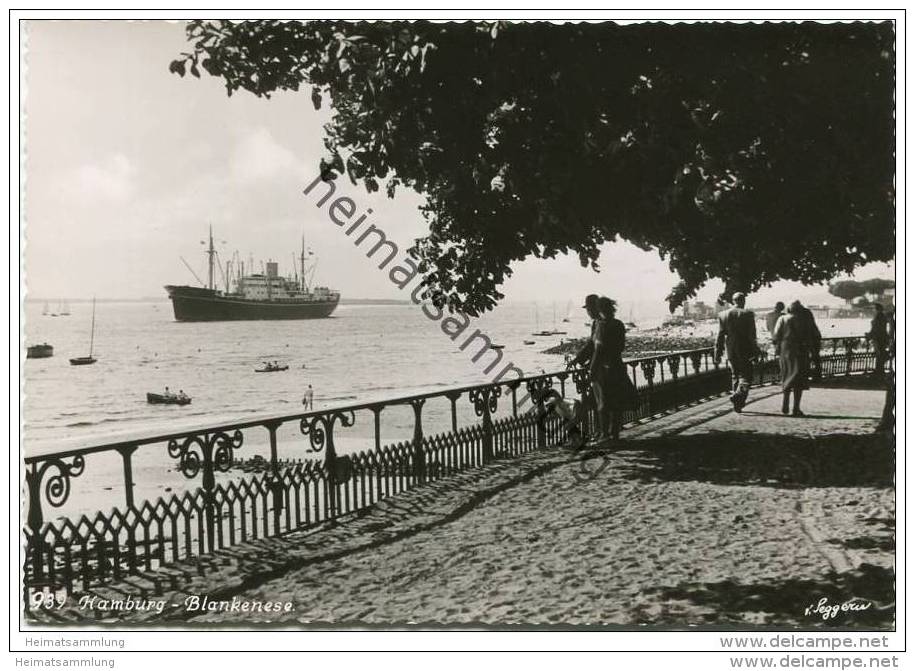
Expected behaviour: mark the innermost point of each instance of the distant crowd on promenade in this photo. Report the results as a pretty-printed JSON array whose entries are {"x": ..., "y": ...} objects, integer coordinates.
[{"x": 794, "y": 335}]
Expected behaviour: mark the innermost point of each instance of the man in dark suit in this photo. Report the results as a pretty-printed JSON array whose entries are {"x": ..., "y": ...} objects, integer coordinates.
[{"x": 737, "y": 336}]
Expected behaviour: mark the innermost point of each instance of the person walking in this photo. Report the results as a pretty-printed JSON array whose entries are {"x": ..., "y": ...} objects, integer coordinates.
[
  {"x": 795, "y": 337},
  {"x": 879, "y": 336},
  {"x": 619, "y": 391},
  {"x": 737, "y": 336},
  {"x": 309, "y": 399},
  {"x": 773, "y": 316},
  {"x": 814, "y": 342},
  {"x": 592, "y": 354}
]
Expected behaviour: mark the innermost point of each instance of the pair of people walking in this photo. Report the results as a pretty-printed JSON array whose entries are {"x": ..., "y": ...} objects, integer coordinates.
[
  {"x": 612, "y": 390},
  {"x": 797, "y": 346}
]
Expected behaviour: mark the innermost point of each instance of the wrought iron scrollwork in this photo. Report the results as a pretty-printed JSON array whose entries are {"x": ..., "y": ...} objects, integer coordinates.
[
  {"x": 224, "y": 447},
  {"x": 313, "y": 428},
  {"x": 319, "y": 428},
  {"x": 513, "y": 385},
  {"x": 193, "y": 452},
  {"x": 648, "y": 369},
  {"x": 582, "y": 380},
  {"x": 57, "y": 487},
  {"x": 485, "y": 398},
  {"x": 673, "y": 364}
]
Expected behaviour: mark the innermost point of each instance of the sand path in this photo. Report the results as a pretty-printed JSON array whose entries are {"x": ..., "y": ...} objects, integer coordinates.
[{"x": 738, "y": 520}]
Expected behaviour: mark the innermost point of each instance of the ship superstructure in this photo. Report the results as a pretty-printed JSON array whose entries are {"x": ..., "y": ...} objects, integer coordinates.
[{"x": 265, "y": 295}]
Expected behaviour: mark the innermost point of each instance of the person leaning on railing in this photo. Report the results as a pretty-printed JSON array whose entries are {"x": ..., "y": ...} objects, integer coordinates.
[
  {"x": 619, "y": 391},
  {"x": 592, "y": 354}
]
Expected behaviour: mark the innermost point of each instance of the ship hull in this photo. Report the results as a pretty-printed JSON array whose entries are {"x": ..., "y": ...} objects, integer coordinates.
[{"x": 192, "y": 304}]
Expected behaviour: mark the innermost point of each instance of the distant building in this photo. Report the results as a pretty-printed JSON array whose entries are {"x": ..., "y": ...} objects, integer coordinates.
[{"x": 699, "y": 310}]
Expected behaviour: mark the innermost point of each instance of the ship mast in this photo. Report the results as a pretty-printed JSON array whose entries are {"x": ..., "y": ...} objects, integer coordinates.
[
  {"x": 92, "y": 331},
  {"x": 211, "y": 253},
  {"x": 302, "y": 262}
]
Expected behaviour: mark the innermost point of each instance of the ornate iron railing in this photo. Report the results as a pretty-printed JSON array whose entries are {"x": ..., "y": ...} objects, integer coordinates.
[{"x": 137, "y": 537}]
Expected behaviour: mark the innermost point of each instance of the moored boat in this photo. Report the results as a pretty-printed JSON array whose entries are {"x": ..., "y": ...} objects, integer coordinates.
[
  {"x": 271, "y": 369},
  {"x": 42, "y": 351},
  {"x": 82, "y": 361},
  {"x": 87, "y": 360}
]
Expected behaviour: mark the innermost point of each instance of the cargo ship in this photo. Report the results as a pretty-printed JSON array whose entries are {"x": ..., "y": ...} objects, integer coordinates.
[{"x": 265, "y": 295}]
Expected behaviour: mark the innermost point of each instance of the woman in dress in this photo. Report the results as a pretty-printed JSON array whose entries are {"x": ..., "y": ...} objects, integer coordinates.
[
  {"x": 619, "y": 392},
  {"x": 795, "y": 337}
]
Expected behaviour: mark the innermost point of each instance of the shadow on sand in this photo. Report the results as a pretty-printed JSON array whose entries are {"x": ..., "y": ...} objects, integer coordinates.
[
  {"x": 786, "y": 603},
  {"x": 734, "y": 458}
]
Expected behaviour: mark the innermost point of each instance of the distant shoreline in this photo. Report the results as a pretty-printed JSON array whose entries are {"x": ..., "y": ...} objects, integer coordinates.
[{"x": 164, "y": 299}]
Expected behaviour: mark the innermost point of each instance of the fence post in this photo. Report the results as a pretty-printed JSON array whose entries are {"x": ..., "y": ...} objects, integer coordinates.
[
  {"x": 673, "y": 365},
  {"x": 276, "y": 483},
  {"x": 484, "y": 401},
  {"x": 209, "y": 484},
  {"x": 582, "y": 382},
  {"x": 536, "y": 389},
  {"x": 376, "y": 412},
  {"x": 330, "y": 469},
  {"x": 648, "y": 369},
  {"x": 513, "y": 387},
  {"x": 419, "y": 457},
  {"x": 320, "y": 432},
  {"x": 35, "y": 521},
  {"x": 849, "y": 353},
  {"x": 126, "y": 456},
  {"x": 453, "y": 397}
]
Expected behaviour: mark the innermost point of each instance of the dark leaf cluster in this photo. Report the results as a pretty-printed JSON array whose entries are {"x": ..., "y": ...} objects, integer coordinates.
[{"x": 746, "y": 152}]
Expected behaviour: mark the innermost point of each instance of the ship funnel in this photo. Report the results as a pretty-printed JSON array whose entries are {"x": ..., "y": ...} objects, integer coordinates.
[{"x": 272, "y": 269}]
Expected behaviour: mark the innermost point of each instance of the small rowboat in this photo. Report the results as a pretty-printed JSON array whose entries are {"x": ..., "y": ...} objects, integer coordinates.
[
  {"x": 162, "y": 399},
  {"x": 271, "y": 369}
]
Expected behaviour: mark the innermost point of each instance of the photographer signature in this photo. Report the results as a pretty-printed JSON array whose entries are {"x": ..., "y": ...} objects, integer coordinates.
[{"x": 827, "y": 611}]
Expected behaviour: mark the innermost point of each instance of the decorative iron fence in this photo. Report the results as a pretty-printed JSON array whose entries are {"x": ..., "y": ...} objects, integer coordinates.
[{"x": 140, "y": 536}]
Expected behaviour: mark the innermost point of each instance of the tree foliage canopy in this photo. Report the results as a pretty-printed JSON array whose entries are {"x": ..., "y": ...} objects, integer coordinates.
[
  {"x": 750, "y": 152},
  {"x": 850, "y": 289}
]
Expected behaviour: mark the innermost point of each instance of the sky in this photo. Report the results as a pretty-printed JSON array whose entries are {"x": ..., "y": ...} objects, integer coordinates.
[{"x": 127, "y": 165}]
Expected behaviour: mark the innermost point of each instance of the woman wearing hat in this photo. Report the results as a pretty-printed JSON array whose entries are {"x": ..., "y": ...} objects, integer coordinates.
[{"x": 619, "y": 392}]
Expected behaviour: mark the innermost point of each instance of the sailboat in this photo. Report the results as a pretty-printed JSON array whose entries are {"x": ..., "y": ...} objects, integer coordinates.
[
  {"x": 555, "y": 331},
  {"x": 568, "y": 317},
  {"x": 86, "y": 360},
  {"x": 64, "y": 309},
  {"x": 537, "y": 323},
  {"x": 631, "y": 323}
]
